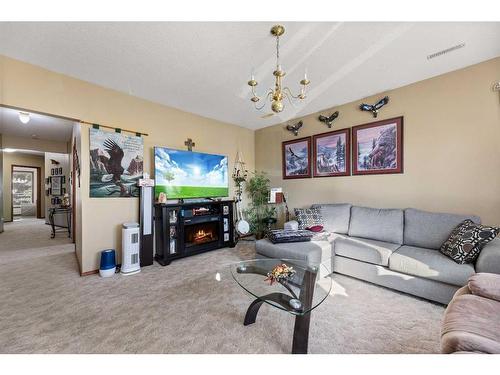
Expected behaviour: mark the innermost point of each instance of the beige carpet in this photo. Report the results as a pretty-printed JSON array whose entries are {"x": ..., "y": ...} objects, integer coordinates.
[{"x": 46, "y": 307}]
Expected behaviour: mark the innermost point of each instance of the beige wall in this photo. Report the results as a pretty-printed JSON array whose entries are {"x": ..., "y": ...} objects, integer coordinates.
[
  {"x": 76, "y": 139},
  {"x": 451, "y": 148},
  {"x": 1, "y": 185},
  {"x": 34, "y": 88},
  {"x": 25, "y": 160}
]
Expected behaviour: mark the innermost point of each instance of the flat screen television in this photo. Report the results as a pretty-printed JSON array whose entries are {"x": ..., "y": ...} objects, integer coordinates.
[{"x": 188, "y": 174}]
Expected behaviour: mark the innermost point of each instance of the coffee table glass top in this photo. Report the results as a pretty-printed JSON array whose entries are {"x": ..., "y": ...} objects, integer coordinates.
[{"x": 298, "y": 294}]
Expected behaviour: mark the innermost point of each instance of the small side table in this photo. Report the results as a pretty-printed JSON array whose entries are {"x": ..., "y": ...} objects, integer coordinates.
[{"x": 66, "y": 211}]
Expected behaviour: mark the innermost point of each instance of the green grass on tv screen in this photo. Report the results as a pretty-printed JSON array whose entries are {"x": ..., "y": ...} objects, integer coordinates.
[{"x": 176, "y": 192}]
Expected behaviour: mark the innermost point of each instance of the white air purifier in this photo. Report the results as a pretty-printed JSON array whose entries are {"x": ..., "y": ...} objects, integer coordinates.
[{"x": 130, "y": 249}]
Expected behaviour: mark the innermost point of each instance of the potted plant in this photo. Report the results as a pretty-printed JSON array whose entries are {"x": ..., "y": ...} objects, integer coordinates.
[{"x": 259, "y": 211}]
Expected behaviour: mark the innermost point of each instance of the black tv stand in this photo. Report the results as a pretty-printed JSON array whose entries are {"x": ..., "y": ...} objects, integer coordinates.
[{"x": 188, "y": 228}]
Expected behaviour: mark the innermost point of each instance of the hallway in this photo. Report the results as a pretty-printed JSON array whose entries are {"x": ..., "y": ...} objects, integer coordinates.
[{"x": 30, "y": 238}]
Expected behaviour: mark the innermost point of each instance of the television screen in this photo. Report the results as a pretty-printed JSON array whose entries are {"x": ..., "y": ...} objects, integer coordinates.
[{"x": 189, "y": 174}]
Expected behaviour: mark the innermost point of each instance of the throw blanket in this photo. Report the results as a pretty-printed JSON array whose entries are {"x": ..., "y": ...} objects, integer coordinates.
[
  {"x": 485, "y": 285},
  {"x": 283, "y": 235}
]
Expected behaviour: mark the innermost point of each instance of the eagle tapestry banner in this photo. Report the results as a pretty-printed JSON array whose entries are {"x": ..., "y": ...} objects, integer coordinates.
[{"x": 116, "y": 163}]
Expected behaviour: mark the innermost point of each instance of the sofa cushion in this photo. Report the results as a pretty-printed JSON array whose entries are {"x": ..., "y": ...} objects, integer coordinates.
[
  {"x": 308, "y": 217},
  {"x": 366, "y": 250},
  {"x": 335, "y": 216},
  {"x": 489, "y": 258},
  {"x": 429, "y": 264},
  {"x": 471, "y": 324},
  {"x": 429, "y": 229},
  {"x": 466, "y": 241},
  {"x": 313, "y": 251},
  {"x": 377, "y": 224}
]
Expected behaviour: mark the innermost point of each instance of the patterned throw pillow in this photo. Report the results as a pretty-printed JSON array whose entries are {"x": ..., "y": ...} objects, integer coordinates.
[
  {"x": 467, "y": 240},
  {"x": 308, "y": 217}
]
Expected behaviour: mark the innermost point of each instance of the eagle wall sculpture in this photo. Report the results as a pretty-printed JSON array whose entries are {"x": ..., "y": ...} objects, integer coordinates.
[
  {"x": 294, "y": 128},
  {"x": 329, "y": 120},
  {"x": 374, "y": 108}
]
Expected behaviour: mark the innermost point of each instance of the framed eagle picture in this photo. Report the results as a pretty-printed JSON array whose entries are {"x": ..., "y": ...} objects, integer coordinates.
[
  {"x": 332, "y": 154},
  {"x": 377, "y": 147},
  {"x": 116, "y": 164},
  {"x": 297, "y": 158}
]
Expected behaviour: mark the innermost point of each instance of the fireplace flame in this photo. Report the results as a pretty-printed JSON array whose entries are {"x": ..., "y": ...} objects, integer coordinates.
[{"x": 202, "y": 235}]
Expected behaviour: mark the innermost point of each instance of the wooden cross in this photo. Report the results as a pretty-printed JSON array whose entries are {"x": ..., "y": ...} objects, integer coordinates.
[{"x": 190, "y": 144}]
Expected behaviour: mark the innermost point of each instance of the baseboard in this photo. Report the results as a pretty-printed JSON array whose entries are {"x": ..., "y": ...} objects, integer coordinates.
[{"x": 89, "y": 273}]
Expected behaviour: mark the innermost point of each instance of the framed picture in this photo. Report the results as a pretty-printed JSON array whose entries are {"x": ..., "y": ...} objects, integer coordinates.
[
  {"x": 297, "y": 158},
  {"x": 377, "y": 147},
  {"x": 52, "y": 171},
  {"x": 332, "y": 154},
  {"x": 59, "y": 170},
  {"x": 56, "y": 185},
  {"x": 119, "y": 156}
]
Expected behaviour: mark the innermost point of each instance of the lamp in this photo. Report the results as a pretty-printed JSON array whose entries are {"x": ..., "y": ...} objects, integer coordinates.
[
  {"x": 277, "y": 94},
  {"x": 24, "y": 117}
]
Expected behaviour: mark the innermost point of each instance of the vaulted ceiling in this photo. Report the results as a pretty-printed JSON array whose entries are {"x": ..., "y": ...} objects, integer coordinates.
[{"x": 203, "y": 67}]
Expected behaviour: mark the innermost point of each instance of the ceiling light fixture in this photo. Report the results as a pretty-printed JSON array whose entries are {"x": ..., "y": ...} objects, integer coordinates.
[
  {"x": 9, "y": 150},
  {"x": 277, "y": 94},
  {"x": 24, "y": 117}
]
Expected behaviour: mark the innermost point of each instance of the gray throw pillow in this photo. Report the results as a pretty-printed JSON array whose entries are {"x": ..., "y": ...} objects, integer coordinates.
[
  {"x": 308, "y": 217},
  {"x": 467, "y": 240}
]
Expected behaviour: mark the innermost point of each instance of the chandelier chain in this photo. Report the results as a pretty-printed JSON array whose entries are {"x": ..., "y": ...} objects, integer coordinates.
[{"x": 277, "y": 51}]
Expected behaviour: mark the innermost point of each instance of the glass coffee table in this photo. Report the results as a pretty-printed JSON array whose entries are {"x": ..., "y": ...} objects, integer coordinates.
[{"x": 297, "y": 295}]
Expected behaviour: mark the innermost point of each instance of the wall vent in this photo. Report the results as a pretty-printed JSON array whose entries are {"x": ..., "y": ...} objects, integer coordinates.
[{"x": 447, "y": 50}]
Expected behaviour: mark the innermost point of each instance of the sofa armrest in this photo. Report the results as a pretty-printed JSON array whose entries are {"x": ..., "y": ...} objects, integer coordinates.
[
  {"x": 291, "y": 225},
  {"x": 489, "y": 258}
]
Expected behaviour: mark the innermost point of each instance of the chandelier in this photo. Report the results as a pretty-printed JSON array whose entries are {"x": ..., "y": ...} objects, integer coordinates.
[{"x": 277, "y": 95}]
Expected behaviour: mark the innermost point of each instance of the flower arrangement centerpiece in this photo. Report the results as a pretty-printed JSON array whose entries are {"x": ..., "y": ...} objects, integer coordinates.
[{"x": 280, "y": 273}]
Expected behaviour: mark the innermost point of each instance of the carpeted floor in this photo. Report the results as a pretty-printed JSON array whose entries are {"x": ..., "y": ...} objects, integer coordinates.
[{"x": 46, "y": 307}]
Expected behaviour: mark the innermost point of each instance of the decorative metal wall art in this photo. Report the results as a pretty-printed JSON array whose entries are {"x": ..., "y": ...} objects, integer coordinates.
[
  {"x": 329, "y": 120},
  {"x": 294, "y": 128},
  {"x": 375, "y": 107}
]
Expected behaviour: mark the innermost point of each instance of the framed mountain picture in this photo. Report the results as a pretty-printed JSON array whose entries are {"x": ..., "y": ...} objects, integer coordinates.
[
  {"x": 378, "y": 147},
  {"x": 332, "y": 154},
  {"x": 297, "y": 158}
]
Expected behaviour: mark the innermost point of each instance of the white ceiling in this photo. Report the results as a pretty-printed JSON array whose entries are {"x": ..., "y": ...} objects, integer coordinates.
[
  {"x": 39, "y": 126},
  {"x": 203, "y": 67}
]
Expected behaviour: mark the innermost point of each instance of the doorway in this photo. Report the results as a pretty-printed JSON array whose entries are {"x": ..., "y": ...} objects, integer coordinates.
[
  {"x": 25, "y": 192},
  {"x": 36, "y": 181}
]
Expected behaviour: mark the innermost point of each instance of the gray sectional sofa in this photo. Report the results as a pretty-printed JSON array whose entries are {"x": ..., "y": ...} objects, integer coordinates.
[{"x": 395, "y": 248}]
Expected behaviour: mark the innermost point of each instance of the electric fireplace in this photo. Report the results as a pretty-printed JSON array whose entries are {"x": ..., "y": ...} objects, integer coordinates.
[
  {"x": 202, "y": 233},
  {"x": 184, "y": 229}
]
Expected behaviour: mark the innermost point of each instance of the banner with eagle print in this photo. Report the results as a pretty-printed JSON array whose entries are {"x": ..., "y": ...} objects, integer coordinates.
[{"x": 116, "y": 163}]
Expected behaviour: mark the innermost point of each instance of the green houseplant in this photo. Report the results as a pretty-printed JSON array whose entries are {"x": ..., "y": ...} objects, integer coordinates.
[{"x": 258, "y": 188}]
